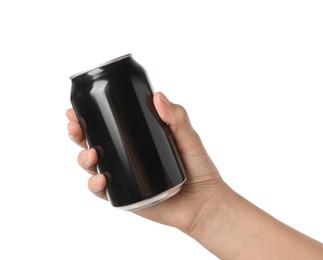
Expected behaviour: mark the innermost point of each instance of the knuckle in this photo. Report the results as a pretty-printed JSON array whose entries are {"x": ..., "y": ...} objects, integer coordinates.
[{"x": 182, "y": 114}]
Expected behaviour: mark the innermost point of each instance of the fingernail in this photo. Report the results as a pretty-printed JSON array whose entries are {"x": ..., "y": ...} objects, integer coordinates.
[{"x": 165, "y": 100}]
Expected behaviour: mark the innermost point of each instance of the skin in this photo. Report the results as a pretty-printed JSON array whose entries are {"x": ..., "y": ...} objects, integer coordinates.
[{"x": 206, "y": 208}]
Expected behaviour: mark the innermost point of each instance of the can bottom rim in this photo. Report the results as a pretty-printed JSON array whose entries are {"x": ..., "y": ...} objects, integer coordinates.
[{"x": 153, "y": 200}]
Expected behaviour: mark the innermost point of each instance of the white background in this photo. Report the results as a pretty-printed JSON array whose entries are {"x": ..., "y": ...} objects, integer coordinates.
[{"x": 248, "y": 72}]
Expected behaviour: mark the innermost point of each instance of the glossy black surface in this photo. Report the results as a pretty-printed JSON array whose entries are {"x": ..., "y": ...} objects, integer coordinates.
[{"x": 114, "y": 104}]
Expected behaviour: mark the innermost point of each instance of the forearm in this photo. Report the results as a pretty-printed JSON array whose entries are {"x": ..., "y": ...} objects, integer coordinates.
[{"x": 237, "y": 229}]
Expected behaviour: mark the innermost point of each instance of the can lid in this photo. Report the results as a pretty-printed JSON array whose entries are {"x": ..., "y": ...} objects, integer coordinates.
[{"x": 101, "y": 65}]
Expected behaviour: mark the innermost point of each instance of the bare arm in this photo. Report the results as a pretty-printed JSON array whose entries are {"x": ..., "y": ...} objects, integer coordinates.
[
  {"x": 206, "y": 208},
  {"x": 237, "y": 229}
]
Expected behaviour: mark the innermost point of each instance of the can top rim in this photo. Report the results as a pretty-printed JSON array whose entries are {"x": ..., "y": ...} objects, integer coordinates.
[{"x": 101, "y": 65}]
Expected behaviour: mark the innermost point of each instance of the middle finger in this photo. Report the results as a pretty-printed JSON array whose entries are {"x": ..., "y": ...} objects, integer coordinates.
[{"x": 87, "y": 159}]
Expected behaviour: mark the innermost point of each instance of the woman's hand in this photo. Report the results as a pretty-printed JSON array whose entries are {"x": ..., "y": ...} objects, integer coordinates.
[
  {"x": 185, "y": 209},
  {"x": 206, "y": 208}
]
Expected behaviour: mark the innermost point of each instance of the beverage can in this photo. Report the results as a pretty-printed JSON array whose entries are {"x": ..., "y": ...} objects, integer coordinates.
[{"x": 136, "y": 150}]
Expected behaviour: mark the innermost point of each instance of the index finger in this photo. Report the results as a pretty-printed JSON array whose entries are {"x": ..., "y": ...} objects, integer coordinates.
[{"x": 70, "y": 113}]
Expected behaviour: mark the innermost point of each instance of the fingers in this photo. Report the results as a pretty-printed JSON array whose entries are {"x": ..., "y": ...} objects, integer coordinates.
[
  {"x": 97, "y": 184},
  {"x": 87, "y": 159},
  {"x": 74, "y": 129},
  {"x": 75, "y": 133},
  {"x": 70, "y": 113}
]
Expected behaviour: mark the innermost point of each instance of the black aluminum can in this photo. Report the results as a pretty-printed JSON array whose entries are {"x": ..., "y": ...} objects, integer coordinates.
[{"x": 136, "y": 150}]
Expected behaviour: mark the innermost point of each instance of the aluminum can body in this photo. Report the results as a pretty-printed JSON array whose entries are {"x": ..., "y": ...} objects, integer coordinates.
[{"x": 136, "y": 150}]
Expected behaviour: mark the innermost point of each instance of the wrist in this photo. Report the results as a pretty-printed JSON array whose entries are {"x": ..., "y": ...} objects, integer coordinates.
[{"x": 216, "y": 220}]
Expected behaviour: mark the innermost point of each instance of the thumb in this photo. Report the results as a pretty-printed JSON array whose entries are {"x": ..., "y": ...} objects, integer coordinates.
[
  {"x": 196, "y": 161},
  {"x": 187, "y": 140}
]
